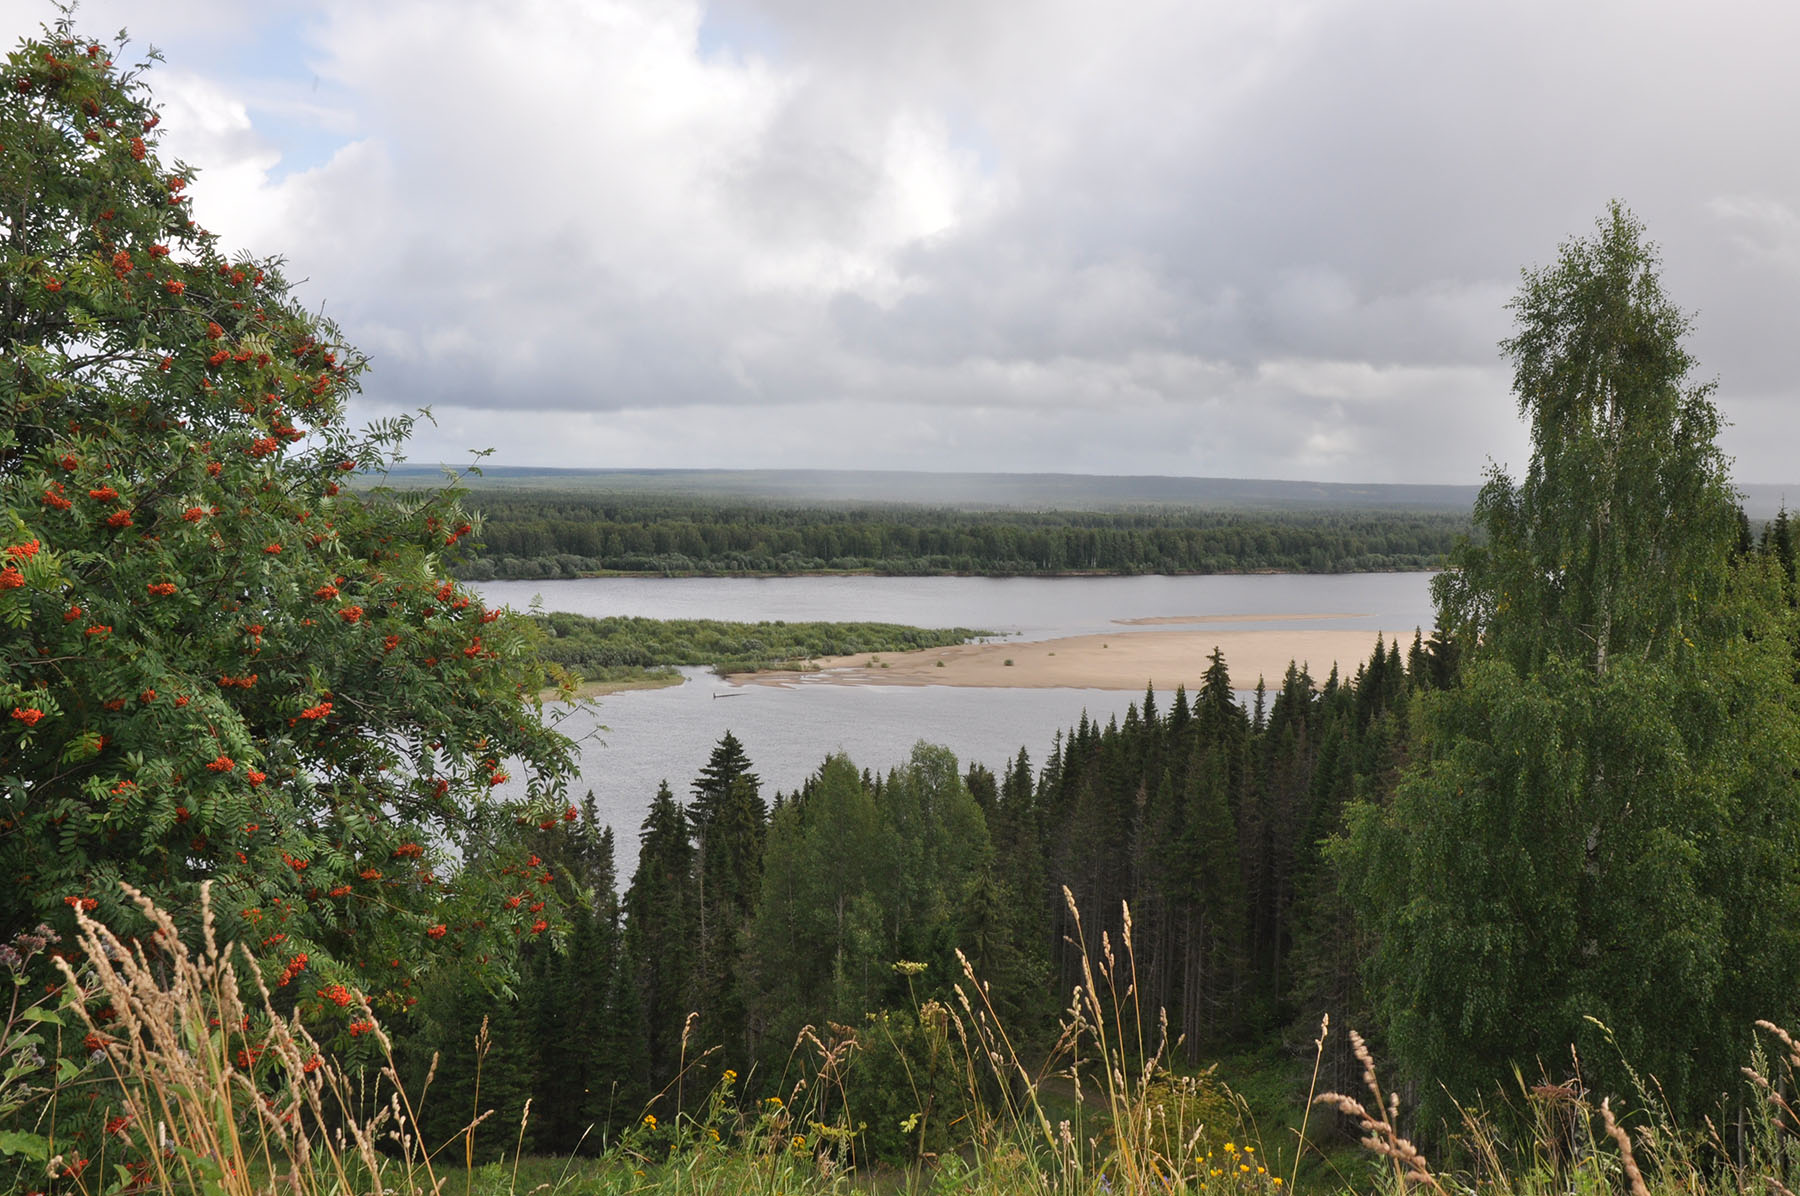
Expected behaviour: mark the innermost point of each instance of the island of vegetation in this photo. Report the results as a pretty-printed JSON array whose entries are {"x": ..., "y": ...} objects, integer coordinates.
[
  {"x": 628, "y": 652},
  {"x": 296, "y": 896}
]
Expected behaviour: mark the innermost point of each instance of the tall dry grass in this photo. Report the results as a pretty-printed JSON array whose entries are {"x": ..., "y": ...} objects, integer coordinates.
[
  {"x": 221, "y": 1095},
  {"x": 214, "y": 1092}
]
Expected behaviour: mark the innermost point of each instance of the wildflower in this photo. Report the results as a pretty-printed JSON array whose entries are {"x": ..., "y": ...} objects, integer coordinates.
[{"x": 650, "y": 1121}]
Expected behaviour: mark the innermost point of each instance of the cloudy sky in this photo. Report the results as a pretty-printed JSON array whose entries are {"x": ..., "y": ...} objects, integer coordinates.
[{"x": 1249, "y": 238}]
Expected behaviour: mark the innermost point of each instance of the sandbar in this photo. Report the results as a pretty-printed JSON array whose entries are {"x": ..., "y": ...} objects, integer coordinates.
[
  {"x": 1157, "y": 620},
  {"x": 1129, "y": 660}
]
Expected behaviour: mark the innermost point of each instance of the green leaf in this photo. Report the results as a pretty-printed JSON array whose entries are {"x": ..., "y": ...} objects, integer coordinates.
[{"x": 33, "y": 1146}]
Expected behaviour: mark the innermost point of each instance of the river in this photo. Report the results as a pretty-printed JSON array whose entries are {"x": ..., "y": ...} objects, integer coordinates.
[{"x": 631, "y": 741}]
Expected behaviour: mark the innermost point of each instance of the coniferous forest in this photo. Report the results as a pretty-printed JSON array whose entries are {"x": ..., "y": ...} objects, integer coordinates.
[{"x": 528, "y": 534}]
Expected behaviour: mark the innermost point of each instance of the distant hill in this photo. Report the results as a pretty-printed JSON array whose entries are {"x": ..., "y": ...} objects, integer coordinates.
[
  {"x": 1031, "y": 491},
  {"x": 974, "y": 491}
]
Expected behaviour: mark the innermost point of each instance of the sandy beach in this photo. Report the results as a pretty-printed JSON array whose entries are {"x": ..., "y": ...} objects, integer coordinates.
[{"x": 1128, "y": 660}]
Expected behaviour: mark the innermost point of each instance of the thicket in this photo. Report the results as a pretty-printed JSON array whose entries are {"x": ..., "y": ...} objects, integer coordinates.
[
  {"x": 621, "y": 647},
  {"x": 529, "y": 534}
]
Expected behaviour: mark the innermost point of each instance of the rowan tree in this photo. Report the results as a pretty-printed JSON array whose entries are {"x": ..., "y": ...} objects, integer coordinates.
[{"x": 226, "y": 656}]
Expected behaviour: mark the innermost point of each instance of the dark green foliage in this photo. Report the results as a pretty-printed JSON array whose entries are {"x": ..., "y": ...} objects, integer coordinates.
[
  {"x": 905, "y": 1085},
  {"x": 661, "y": 928},
  {"x": 622, "y": 647},
  {"x": 530, "y": 534},
  {"x": 729, "y": 822},
  {"x": 1601, "y": 814}
]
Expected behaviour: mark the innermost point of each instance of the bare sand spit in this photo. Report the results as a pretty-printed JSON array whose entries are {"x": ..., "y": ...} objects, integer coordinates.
[
  {"x": 1157, "y": 620},
  {"x": 1129, "y": 660}
]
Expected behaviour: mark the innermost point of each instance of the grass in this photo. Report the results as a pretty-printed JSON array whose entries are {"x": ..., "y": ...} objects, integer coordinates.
[{"x": 206, "y": 1090}]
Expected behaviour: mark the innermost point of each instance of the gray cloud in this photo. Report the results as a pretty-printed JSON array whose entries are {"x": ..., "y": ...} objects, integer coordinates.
[{"x": 1213, "y": 238}]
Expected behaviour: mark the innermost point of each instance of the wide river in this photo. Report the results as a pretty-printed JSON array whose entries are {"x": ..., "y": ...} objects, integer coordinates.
[{"x": 632, "y": 741}]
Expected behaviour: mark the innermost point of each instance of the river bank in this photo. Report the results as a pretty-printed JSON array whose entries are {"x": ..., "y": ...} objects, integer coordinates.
[{"x": 1129, "y": 660}]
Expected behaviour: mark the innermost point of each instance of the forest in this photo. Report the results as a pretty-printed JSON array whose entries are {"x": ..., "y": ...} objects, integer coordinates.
[{"x": 531, "y": 534}]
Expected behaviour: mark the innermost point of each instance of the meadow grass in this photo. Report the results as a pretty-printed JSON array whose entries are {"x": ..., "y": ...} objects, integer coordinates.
[{"x": 205, "y": 1089}]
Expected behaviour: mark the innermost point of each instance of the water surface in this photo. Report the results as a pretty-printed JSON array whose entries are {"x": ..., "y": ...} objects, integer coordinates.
[{"x": 631, "y": 741}]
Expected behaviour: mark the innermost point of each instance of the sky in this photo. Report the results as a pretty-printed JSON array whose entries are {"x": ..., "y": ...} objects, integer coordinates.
[{"x": 1254, "y": 238}]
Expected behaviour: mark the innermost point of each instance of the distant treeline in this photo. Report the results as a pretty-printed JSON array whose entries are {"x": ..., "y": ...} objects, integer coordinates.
[
  {"x": 530, "y": 534},
  {"x": 622, "y": 648}
]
